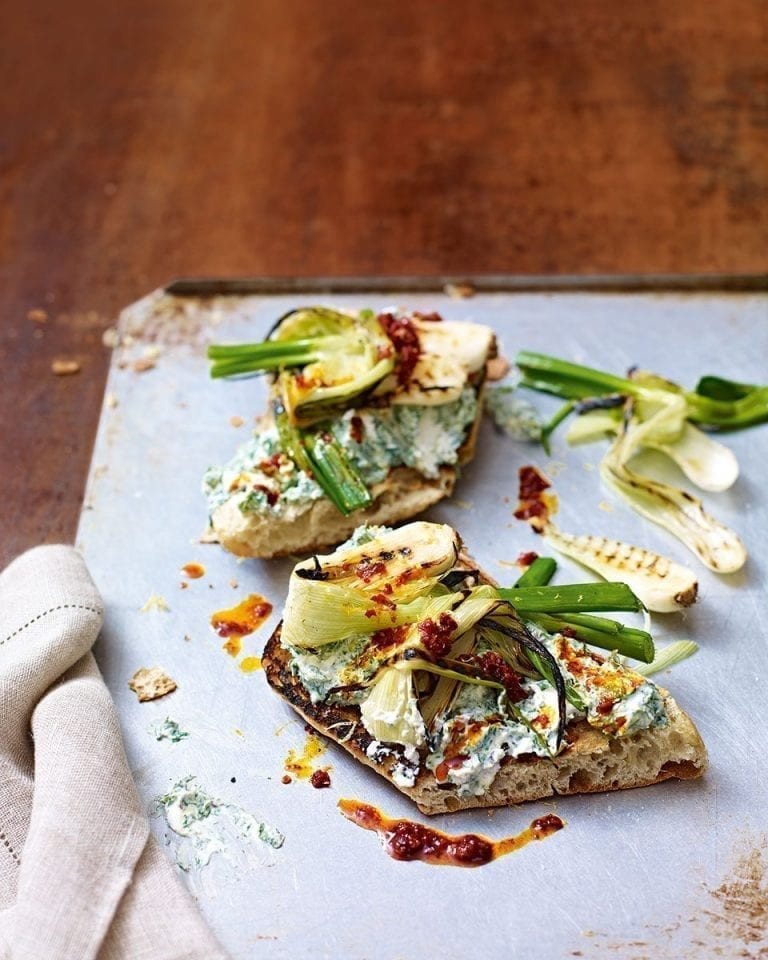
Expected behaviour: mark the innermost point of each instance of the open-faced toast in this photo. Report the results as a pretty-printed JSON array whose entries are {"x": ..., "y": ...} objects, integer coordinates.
[
  {"x": 323, "y": 461},
  {"x": 532, "y": 743}
]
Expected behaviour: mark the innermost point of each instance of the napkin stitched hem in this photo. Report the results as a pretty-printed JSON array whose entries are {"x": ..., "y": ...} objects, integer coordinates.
[{"x": 61, "y": 606}]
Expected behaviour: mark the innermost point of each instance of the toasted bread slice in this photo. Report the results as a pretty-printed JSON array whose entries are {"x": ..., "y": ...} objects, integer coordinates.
[{"x": 594, "y": 762}]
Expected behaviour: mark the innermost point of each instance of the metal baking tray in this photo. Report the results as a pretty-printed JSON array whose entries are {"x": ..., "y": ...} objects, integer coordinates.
[{"x": 670, "y": 871}]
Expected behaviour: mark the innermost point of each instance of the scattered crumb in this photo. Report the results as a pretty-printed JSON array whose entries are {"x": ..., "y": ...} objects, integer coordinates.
[
  {"x": 155, "y": 602},
  {"x": 234, "y": 584},
  {"x": 184, "y": 584},
  {"x": 554, "y": 467},
  {"x": 589, "y": 467},
  {"x": 65, "y": 368},
  {"x": 110, "y": 401},
  {"x": 150, "y": 683},
  {"x": 286, "y": 778},
  {"x": 236, "y": 421},
  {"x": 497, "y": 368},
  {"x": 461, "y": 504},
  {"x": 100, "y": 470},
  {"x": 110, "y": 338},
  {"x": 187, "y": 637},
  {"x": 605, "y": 506},
  {"x": 209, "y": 536},
  {"x": 238, "y": 732},
  {"x": 142, "y": 364},
  {"x": 459, "y": 291},
  {"x": 507, "y": 563},
  {"x": 37, "y": 315}
]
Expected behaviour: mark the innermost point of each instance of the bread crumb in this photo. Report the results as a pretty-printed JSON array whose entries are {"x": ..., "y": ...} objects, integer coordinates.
[
  {"x": 605, "y": 506},
  {"x": 151, "y": 683},
  {"x": 236, "y": 421},
  {"x": 155, "y": 602},
  {"x": 183, "y": 584},
  {"x": 459, "y": 291},
  {"x": 234, "y": 584},
  {"x": 37, "y": 315},
  {"x": 110, "y": 401},
  {"x": 142, "y": 364},
  {"x": 110, "y": 338},
  {"x": 497, "y": 368},
  {"x": 65, "y": 368}
]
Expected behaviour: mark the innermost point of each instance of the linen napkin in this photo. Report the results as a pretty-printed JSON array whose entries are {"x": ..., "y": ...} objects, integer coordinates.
[{"x": 80, "y": 875}]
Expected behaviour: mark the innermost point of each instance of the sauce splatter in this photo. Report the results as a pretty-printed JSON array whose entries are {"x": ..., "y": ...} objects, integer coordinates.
[
  {"x": 233, "y": 645},
  {"x": 406, "y": 840},
  {"x": 320, "y": 779},
  {"x": 250, "y": 664},
  {"x": 524, "y": 560},
  {"x": 536, "y": 505},
  {"x": 193, "y": 570},
  {"x": 237, "y": 622},
  {"x": 300, "y": 764}
]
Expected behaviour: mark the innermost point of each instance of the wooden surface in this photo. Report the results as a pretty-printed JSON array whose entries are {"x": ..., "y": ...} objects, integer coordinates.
[{"x": 148, "y": 140}]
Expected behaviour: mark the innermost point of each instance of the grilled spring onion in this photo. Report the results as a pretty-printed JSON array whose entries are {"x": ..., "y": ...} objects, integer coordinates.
[
  {"x": 324, "y": 359},
  {"x": 715, "y": 404},
  {"x": 555, "y": 609},
  {"x": 390, "y": 712},
  {"x": 670, "y": 655},
  {"x": 662, "y": 585},
  {"x": 321, "y": 456},
  {"x": 572, "y": 598},
  {"x": 538, "y": 574},
  {"x": 600, "y": 632},
  {"x": 331, "y": 468}
]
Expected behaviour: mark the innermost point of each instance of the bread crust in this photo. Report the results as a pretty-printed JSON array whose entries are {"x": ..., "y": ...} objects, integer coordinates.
[{"x": 593, "y": 762}]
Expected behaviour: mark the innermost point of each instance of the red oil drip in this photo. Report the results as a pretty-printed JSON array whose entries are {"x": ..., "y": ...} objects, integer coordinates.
[
  {"x": 407, "y": 840},
  {"x": 237, "y": 622}
]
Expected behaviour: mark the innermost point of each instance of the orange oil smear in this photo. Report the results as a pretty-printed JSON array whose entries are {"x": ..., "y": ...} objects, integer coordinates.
[
  {"x": 300, "y": 764},
  {"x": 406, "y": 840},
  {"x": 233, "y": 645},
  {"x": 237, "y": 622},
  {"x": 193, "y": 570},
  {"x": 250, "y": 664}
]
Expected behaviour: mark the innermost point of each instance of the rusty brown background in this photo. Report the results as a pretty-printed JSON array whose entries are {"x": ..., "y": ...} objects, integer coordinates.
[{"x": 157, "y": 138}]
